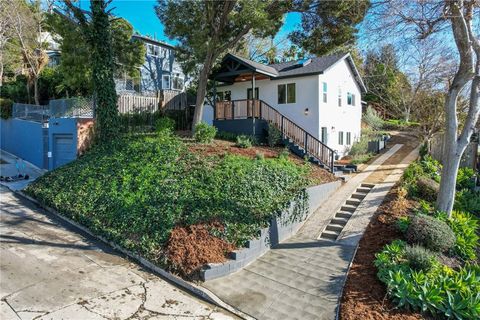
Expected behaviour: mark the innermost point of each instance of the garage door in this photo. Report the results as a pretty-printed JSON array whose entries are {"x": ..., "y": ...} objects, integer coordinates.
[{"x": 64, "y": 149}]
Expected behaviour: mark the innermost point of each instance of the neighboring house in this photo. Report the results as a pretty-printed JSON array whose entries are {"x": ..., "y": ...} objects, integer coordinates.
[
  {"x": 159, "y": 72},
  {"x": 317, "y": 98},
  {"x": 52, "y": 49}
]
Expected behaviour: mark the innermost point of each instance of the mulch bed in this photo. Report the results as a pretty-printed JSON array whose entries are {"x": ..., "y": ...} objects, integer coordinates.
[{"x": 364, "y": 296}]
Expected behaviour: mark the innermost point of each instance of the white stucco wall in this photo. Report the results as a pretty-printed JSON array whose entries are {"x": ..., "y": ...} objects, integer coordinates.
[
  {"x": 306, "y": 97},
  {"x": 346, "y": 118}
]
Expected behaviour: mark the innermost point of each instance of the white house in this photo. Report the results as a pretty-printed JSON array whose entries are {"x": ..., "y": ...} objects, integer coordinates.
[{"x": 321, "y": 96}]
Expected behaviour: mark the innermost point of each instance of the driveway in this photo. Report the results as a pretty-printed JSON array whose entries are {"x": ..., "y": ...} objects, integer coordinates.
[{"x": 50, "y": 271}]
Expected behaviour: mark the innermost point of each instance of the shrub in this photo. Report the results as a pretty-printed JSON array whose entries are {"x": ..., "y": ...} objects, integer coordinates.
[
  {"x": 403, "y": 223},
  {"x": 423, "y": 150},
  {"x": 419, "y": 258},
  {"x": 431, "y": 167},
  {"x": 228, "y": 136},
  {"x": 430, "y": 232},
  {"x": 6, "y": 106},
  {"x": 243, "y": 141},
  {"x": 410, "y": 176},
  {"x": 428, "y": 188},
  {"x": 361, "y": 158},
  {"x": 359, "y": 147},
  {"x": 468, "y": 201},
  {"x": 274, "y": 136},
  {"x": 284, "y": 154},
  {"x": 259, "y": 156},
  {"x": 204, "y": 133},
  {"x": 372, "y": 118},
  {"x": 165, "y": 124},
  {"x": 465, "y": 228},
  {"x": 465, "y": 179},
  {"x": 441, "y": 291}
]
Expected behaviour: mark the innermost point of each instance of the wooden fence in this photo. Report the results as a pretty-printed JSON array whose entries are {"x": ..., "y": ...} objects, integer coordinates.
[{"x": 165, "y": 100}]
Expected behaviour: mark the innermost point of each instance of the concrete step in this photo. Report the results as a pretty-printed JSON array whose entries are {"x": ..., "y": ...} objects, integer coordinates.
[
  {"x": 338, "y": 173},
  {"x": 334, "y": 227},
  {"x": 362, "y": 190},
  {"x": 367, "y": 185},
  {"x": 348, "y": 208},
  {"x": 339, "y": 221},
  {"x": 353, "y": 202},
  {"x": 359, "y": 196},
  {"x": 332, "y": 235},
  {"x": 342, "y": 214}
]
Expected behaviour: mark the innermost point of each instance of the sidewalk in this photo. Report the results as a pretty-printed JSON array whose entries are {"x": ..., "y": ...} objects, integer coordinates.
[
  {"x": 303, "y": 277},
  {"x": 8, "y": 168}
]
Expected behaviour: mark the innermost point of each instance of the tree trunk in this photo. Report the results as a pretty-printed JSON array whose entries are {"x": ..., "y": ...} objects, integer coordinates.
[
  {"x": 35, "y": 91},
  {"x": 29, "y": 98},
  {"x": 202, "y": 89}
]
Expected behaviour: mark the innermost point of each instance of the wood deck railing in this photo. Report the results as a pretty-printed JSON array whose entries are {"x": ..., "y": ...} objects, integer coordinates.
[{"x": 243, "y": 109}]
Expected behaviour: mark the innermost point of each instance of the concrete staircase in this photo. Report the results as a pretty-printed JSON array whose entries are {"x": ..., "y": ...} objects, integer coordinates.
[{"x": 336, "y": 225}]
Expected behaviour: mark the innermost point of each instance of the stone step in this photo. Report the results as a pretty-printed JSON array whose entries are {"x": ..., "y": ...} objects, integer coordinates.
[
  {"x": 341, "y": 214},
  {"x": 348, "y": 208},
  {"x": 359, "y": 196},
  {"x": 332, "y": 235},
  {"x": 339, "y": 221},
  {"x": 353, "y": 202},
  {"x": 334, "y": 227},
  {"x": 367, "y": 185},
  {"x": 362, "y": 190}
]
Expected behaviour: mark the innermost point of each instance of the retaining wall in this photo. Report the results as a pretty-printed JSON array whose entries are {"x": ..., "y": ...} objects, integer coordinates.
[{"x": 280, "y": 229}]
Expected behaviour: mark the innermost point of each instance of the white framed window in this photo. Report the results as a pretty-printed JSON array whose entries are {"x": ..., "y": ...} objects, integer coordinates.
[
  {"x": 339, "y": 97},
  {"x": 177, "y": 82},
  {"x": 325, "y": 92},
  {"x": 286, "y": 93},
  {"x": 349, "y": 138},
  {"x": 350, "y": 99},
  {"x": 340, "y": 138},
  {"x": 166, "y": 81}
]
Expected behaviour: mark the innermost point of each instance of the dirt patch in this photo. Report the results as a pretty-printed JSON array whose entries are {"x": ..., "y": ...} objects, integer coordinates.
[
  {"x": 222, "y": 148},
  {"x": 189, "y": 248}
]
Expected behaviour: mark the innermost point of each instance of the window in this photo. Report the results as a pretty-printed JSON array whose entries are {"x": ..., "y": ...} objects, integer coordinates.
[
  {"x": 324, "y": 136},
  {"x": 350, "y": 99},
  {"x": 340, "y": 138},
  {"x": 325, "y": 92},
  {"x": 286, "y": 93},
  {"x": 339, "y": 97},
  {"x": 166, "y": 81},
  {"x": 349, "y": 138},
  {"x": 177, "y": 82},
  {"x": 249, "y": 93}
]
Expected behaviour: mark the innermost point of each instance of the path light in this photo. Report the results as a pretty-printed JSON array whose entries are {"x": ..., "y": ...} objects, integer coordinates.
[{"x": 306, "y": 111}]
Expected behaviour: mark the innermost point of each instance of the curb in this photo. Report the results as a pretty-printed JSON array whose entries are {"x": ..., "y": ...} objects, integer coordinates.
[{"x": 198, "y": 291}]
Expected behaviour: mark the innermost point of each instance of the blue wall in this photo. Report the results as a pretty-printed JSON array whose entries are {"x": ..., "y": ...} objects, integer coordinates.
[
  {"x": 250, "y": 126},
  {"x": 61, "y": 126},
  {"x": 24, "y": 139}
]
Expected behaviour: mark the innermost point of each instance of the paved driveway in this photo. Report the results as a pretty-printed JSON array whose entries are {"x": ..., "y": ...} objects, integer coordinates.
[{"x": 49, "y": 271}]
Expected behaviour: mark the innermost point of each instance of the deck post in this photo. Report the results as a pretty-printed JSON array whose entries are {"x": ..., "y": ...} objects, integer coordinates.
[
  {"x": 233, "y": 110},
  {"x": 214, "y": 99},
  {"x": 305, "y": 142},
  {"x": 252, "y": 103}
]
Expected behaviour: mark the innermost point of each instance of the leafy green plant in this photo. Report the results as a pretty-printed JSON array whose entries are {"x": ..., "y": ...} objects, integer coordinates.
[
  {"x": 259, "y": 156},
  {"x": 165, "y": 124},
  {"x": 468, "y": 201},
  {"x": 465, "y": 179},
  {"x": 359, "y": 147},
  {"x": 419, "y": 258},
  {"x": 284, "y": 154},
  {"x": 243, "y": 141},
  {"x": 6, "y": 108},
  {"x": 204, "y": 133},
  {"x": 403, "y": 223},
  {"x": 431, "y": 167},
  {"x": 274, "y": 136},
  {"x": 224, "y": 135},
  {"x": 372, "y": 118},
  {"x": 430, "y": 232}
]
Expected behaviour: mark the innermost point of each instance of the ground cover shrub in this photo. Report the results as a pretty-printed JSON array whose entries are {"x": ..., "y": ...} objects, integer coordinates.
[
  {"x": 165, "y": 124},
  {"x": 468, "y": 201},
  {"x": 465, "y": 179},
  {"x": 372, "y": 118},
  {"x": 430, "y": 232},
  {"x": 228, "y": 136},
  {"x": 419, "y": 258},
  {"x": 363, "y": 158},
  {"x": 427, "y": 188},
  {"x": 243, "y": 141},
  {"x": 6, "y": 106},
  {"x": 134, "y": 191},
  {"x": 274, "y": 136},
  {"x": 440, "y": 290},
  {"x": 426, "y": 167},
  {"x": 204, "y": 133}
]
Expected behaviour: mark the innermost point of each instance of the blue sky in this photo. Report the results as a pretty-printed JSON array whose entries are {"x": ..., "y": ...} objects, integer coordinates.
[{"x": 141, "y": 15}]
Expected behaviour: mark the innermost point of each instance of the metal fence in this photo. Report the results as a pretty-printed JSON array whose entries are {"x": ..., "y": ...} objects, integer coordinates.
[
  {"x": 31, "y": 112},
  {"x": 61, "y": 108}
]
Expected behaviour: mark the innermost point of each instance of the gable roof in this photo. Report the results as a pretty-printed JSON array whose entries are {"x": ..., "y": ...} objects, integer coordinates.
[{"x": 316, "y": 65}]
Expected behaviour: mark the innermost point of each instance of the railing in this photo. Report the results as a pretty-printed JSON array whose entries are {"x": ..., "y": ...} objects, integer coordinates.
[{"x": 243, "y": 109}]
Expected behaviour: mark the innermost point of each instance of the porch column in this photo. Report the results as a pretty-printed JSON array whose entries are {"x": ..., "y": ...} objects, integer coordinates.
[
  {"x": 214, "y": 99},
  {"x": 252, "y": 103}
]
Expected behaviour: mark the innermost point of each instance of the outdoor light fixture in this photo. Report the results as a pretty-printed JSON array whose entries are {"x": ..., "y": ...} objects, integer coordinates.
[
  {"x": 333, "y": 129},
  {"x": 306, "y": 111},
  {"x": 243, "y": 79}
]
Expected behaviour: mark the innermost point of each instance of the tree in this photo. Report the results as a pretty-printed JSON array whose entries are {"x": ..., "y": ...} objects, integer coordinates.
[
  {"x": 448, "y": 19},
  {"x": 206, "y": 30},
  {"x": 99, "y": 36},
  {"x": 76, "y": 63}
]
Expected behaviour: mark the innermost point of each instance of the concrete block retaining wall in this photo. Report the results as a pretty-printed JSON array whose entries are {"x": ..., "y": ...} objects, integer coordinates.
[{"x": 280, "y": 229}]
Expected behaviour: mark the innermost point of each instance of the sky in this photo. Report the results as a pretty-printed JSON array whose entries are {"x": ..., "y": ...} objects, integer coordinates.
[{"x": 141, "y": 14}]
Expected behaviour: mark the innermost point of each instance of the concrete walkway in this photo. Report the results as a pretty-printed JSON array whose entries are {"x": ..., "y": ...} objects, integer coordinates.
[
  {"x": 49, "y": 271},
  {"x": 303, "y": 277},
  {"x": 8, "y": 168}
]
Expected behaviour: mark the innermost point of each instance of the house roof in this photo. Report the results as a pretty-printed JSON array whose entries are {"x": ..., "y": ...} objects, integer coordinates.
[
  {"x": 315, "y": 65},
  {"x": 152, "y": 41}
]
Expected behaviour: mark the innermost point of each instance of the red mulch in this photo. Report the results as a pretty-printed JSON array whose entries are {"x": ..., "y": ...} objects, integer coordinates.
[
  {"x": 221, "y": 148},
  {"x": 189, "y": 248},
  {"x": 364, "y": 296}
]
